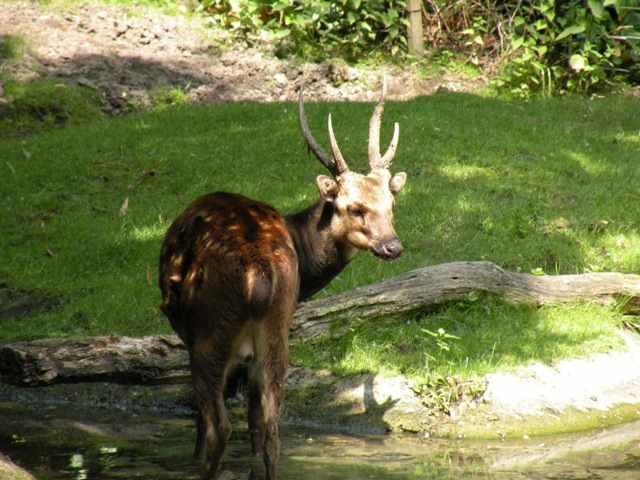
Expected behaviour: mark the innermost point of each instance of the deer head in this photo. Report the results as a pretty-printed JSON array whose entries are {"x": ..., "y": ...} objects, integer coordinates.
[{"x": 363, "y": 204}]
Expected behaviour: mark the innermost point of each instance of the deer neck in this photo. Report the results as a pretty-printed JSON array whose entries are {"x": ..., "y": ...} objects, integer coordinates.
[{"x": 320, "y": 256}]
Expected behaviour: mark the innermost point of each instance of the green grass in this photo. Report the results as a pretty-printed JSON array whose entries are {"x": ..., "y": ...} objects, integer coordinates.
[
  {"x": 467, "y": 339},
  {"x": 12, "y": 47},
  {"x": 45, "y": 103},
  {"x": 548, "y": 185}
]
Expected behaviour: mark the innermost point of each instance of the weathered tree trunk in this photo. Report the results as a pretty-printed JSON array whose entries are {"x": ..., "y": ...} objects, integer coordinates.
[
  {"x": 152, "y": 359},
  {"x": 427, "y": 287},
  {"x": 163, "y": 358},
  {"x": 415, "y": 30}
]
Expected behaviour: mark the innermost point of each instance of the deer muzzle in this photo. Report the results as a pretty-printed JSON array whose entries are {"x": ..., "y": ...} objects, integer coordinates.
[{"x": 388, "y": 249}]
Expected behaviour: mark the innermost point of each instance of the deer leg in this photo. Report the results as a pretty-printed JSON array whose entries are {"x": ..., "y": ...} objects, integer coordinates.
[
  {"x": 199, "y": 452},
  {"x": 272, "y": 398},
  {"x": 266, "y": 388},
  {"x": 255, "y": 414},
  {"x": 217, "y": 430},
  {"x": 213, "y": 425}
]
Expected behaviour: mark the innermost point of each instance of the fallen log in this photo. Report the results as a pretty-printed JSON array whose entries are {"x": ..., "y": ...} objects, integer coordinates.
[
  {"x": 151, "y": 359},
  {"x": 427, "y": 287},
  {"x": 163, "y": 358}
]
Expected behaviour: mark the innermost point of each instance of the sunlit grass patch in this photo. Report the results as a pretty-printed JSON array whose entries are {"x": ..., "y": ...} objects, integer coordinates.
[
  {"x": 467, "y": 339},
  {"x": 446, "y": 354},
  {"x": 166, "y": 97},
  {"x": 631, "y": 138},
  {"x": 613, "y": 244},
  {"x": 465, "y": 172},
  {"x": 149, "y": 233}
]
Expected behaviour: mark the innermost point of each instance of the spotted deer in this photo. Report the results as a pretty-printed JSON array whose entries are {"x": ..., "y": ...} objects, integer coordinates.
[{"x": 232, "y": 271}]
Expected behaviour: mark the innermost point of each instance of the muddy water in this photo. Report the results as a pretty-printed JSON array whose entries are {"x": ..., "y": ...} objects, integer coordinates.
[{"x": 74, "y": 443}]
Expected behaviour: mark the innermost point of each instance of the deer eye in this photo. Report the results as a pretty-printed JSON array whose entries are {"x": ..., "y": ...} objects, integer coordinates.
[{"x": 356, "y": 211}]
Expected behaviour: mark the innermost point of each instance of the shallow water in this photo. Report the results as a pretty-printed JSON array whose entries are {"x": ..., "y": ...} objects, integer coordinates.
[{"x": 74, "y": 443}]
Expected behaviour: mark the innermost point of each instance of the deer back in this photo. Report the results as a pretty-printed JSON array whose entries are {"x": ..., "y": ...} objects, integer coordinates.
[{"x": 225, "y": 254}]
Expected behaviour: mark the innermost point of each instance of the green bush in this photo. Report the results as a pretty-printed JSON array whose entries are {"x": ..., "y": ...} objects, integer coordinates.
[
  {"x": 318, "y": 28},
  {"x": 572, "y": 46},
  {"x": 542, "y": 46},
  {"x": 538, "y": 46}
]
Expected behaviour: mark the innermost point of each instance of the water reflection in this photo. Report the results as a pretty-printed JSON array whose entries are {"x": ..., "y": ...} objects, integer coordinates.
[{"x": 62, "y": 444}]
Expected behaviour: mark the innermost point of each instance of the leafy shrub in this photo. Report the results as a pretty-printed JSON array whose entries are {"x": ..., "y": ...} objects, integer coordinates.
[
  {"x": 543, "y": 46},
  {"x": 559, "y": 46},
  {"x": 318, "y": 28}
]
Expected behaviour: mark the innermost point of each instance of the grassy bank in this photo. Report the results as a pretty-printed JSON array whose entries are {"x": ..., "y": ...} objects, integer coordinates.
[{"x": 548, "y": 186}]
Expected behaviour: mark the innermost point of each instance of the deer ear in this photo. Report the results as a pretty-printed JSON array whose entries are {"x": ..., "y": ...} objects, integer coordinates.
[
  {"x": 397, "y": 182},
  {"x": 328, "y": 187}
]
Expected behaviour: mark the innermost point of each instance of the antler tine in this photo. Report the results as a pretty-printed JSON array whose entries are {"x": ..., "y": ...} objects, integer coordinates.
[
  {"x": 317, "y": 150},
  {"x": 387, "y": 158},
  {"x": 374, "y": 128},
  {"x": 375, "y": 160},
  {"x": 341, "y": 164}
]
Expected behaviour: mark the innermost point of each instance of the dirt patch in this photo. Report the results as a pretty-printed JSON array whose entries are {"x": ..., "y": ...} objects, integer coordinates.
[{"x": 127, "y": 54}]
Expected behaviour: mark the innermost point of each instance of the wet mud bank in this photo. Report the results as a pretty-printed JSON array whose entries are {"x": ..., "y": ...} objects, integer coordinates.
[
  {"x": 337, "y": 428},
  {"x": 58, "y": 442}
]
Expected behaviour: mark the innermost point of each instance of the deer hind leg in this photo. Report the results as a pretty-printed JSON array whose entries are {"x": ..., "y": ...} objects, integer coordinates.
[
  {"x": 266, "y": 390},
  {"x": 265, "y": 398},
  {"x": 256, "y": 414},
  {"x": 271, "y": 407},
  {"x": 213, "y": 425}
]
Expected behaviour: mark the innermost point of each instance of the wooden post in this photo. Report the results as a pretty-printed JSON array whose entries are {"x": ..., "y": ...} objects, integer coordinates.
[{"x": 416, "y": 41}]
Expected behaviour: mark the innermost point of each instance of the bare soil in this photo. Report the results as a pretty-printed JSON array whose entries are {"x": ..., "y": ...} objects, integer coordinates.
[
  {"x": 598, "y": 382},
  {"x": 128, "y": 53}
]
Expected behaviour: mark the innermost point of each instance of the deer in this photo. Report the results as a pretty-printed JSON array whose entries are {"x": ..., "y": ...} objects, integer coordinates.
[{"x": 232, "y": 271}]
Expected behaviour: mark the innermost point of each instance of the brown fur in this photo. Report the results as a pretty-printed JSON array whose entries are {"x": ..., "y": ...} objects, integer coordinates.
[{"x": 228, "y": 275}]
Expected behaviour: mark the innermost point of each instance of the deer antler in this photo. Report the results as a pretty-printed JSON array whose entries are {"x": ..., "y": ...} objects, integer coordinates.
[
  {"x": 341, "y": 164},
  {"x": 336, "y": 164},
  {"x": 375, "y": 160}
]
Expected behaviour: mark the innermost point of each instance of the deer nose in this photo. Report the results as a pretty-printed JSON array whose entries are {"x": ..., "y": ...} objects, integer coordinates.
[{"x": 388, "y": 249}]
